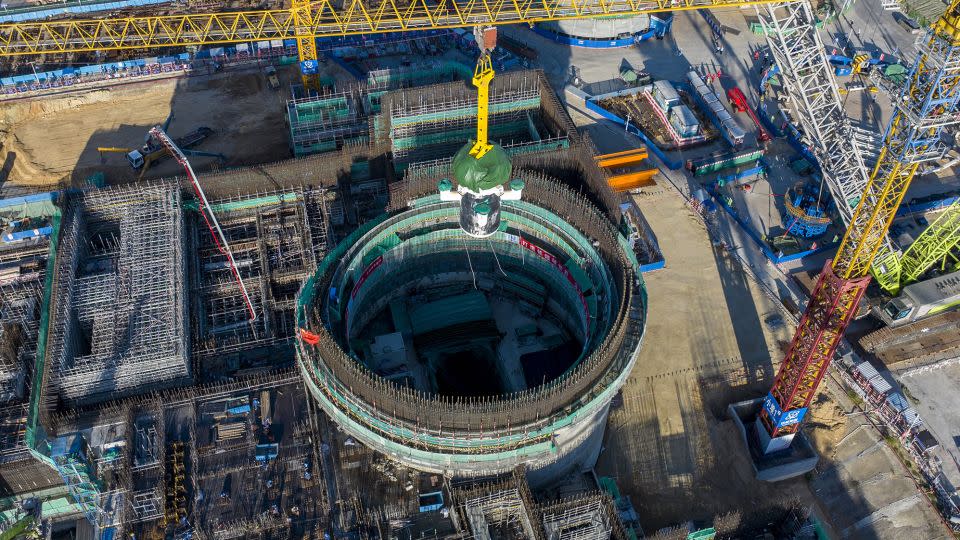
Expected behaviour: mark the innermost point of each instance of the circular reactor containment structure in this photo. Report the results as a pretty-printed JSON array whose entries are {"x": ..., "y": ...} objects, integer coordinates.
[
  {"x": 470, "y": 352},
  {"x": 606, "y": 32}
]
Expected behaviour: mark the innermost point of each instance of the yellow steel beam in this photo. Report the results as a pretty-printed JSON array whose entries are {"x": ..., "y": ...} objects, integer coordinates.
[
  {"x": 629, "y": 152},
  {"x": 327, "y": 19},
  {"x": 482, "y": 75},
  {"x": 628, "y": 181},
  {"x": 620, "y": 159}
]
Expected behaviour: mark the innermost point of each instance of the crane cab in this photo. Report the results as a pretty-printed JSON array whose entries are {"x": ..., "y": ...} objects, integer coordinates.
[
  {"x": 135, "y": 158},
  {"x": 897, "y": 310}
]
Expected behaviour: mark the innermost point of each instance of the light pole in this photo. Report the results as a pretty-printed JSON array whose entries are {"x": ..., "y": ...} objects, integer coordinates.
[{"x": 34, "y": 68}]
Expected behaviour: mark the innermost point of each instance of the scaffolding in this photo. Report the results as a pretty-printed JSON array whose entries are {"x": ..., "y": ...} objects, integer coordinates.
[
  {"x": 506, "y": 510},
  {"x": 94, "y": 466},
  {"x": 147, "y": 504},
  {"x": 19, "y": 326},
  {"x": 501, "y": 513},
  {"x": 277, "y": 239},
  {"x": 588, "y": 519},
  {"x": 326, "y": 123},
  {"x": 22, "y": 272},
  {"x": 419, "y": 74},
  {"x": 119, "y": 297},
  {"x": 430, "y": 122},
  {"x": 13, "y": 430},
  {"x": 148, "y": 441}
]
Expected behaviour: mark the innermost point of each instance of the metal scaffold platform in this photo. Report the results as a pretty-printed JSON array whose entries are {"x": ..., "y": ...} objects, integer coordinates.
[
  {"x": 506, "y": 509},
  {"x": 432, "y": 122},
  {"x": 120, "y": 303},
  {"x": 325, "y": 123},
  {"x": 277, "y": 239}
]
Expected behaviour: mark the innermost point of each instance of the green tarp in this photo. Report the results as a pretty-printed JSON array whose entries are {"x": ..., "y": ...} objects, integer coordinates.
[{"x": 490, "y": 171}]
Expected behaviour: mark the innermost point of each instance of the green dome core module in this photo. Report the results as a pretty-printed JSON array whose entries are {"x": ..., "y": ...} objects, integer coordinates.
[
  {"x": 469, "y": 355},
  {"x": 479, "y": 184}
]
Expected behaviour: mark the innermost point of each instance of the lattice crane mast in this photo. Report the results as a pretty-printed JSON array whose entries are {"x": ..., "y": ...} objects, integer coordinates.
[
  {"x": 934, "y": 245},
  {"x": 925, "y": 106},
  {"x": 306, "y": 20},
  {"x": 204, "y": 206}
]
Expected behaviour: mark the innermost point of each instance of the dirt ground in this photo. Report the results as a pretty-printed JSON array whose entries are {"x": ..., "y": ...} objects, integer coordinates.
[
  {"x": 670, "y": 445},
  {"x": 862, "y": 487},
  {"x": 49, "y": 140}
]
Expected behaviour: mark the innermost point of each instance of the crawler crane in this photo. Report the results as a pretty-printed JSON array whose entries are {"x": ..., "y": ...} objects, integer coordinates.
[{"x": 926, "y": 105}]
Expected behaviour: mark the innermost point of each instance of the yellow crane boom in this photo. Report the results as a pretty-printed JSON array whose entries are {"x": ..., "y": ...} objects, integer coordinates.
[
  {"x": 482, "y": 76},
  {"x": 324, "y": 18}
]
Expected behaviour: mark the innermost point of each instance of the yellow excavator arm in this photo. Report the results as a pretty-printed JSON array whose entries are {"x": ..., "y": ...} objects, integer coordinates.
[{"x": 114, "y": 149}]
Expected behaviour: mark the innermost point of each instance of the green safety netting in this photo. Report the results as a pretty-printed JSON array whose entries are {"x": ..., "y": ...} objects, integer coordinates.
[
  {"x": 490, "y": 171},
  {"x": 445, "y": 312}
]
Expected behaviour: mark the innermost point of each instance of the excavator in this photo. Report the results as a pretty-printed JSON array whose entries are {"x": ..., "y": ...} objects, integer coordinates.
[{"x": 152, "y": 151}]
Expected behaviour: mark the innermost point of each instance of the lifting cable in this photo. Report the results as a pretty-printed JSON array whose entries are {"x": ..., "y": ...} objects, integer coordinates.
[
  {"x": 467, "y": 249},
  {"x": 495, "y": 256}
]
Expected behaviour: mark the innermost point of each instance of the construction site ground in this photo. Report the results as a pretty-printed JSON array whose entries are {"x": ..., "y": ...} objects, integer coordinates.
[
  {"x": 50, "y": 140},
  {"x": 933, "y": 392},
  {"x": 713, "y": 337},
  {"x": 671, "y": 446}
]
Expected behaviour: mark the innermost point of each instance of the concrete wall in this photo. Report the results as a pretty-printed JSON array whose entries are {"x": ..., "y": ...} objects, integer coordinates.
[
  {"x": 573, "y": 447},
  {"x": 600, "y": 29}
]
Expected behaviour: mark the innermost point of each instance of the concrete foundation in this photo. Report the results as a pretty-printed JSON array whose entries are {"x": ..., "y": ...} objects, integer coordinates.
[{"x": 786, "y": 457}]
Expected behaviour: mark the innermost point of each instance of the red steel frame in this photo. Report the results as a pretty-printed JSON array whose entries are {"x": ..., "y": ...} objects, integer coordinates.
[{"x": 832, "y": 306}]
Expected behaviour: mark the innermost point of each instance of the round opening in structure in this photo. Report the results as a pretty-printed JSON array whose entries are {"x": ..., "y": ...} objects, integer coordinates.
[{"x": 470, "y": 355}]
